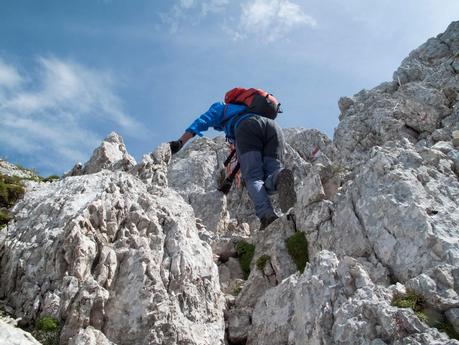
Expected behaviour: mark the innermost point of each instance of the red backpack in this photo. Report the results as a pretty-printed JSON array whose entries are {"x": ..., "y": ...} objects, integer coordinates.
[{"x": 257, "y": 101}]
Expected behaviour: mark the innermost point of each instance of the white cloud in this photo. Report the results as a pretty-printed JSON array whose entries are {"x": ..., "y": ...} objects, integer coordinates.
[
  {"x": 9, "y": 77},
  {"x": 53, "y": 114},
  {"x": 271, "y": 19},
  {"x": 191, "y": 11}
]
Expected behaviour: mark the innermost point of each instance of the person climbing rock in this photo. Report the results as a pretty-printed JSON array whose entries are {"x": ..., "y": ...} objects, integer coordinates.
[{"x": 247, "y": 118}]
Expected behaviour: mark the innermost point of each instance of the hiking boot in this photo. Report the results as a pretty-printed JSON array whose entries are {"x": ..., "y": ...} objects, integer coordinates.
[
  {"x": 286, "y": 189},
  {"x": 266, "y": 220}
]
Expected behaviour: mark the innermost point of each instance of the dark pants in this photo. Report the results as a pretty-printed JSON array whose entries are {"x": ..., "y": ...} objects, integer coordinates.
[{"x": 260, "y": 147}]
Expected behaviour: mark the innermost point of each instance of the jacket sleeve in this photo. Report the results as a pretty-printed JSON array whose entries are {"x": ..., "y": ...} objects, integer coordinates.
[{"x": 211, "y": 118}]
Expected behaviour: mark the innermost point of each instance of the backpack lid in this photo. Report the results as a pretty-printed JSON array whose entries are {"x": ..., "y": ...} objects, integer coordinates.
[{"x": 240, "y": 95}]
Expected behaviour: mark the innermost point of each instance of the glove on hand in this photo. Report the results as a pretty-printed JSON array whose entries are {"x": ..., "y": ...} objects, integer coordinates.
[{"x": 175, "y": 146}]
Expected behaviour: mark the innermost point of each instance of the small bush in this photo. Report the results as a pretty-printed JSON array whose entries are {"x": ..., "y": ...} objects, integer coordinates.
[
  {"x": 47, "y": 330},
  {"x": 297, "y": 247},
  {"x": 5, "y": 217},
  {"x": 433, "y": 318},
  {"x": 47, "y": 323},
  {"x": 411, "y": 300},
  {"x": 245, "y": 253},
  {"x": 261, "y": 261},
  {"x": 11, "y": 189}
]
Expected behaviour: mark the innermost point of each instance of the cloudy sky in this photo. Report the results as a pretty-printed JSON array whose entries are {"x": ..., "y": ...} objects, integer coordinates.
[{"x": 73, "y": 71}]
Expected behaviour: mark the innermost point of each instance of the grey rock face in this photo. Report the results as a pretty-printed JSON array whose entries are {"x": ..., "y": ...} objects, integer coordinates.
[
  {"x": 420, "y": 104},
  {"x": 111, "y": 155},
  {"x": 128, "y": 253},
  {"x": 335, "y": 302},
  {"x": 11, "y": 335},
  {"x": 100, "y": 250},
  {"x": 9, "y": 169}
]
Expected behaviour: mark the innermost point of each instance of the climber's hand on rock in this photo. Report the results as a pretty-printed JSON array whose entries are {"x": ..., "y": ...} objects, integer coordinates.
[{"x": 175, "y": 146}]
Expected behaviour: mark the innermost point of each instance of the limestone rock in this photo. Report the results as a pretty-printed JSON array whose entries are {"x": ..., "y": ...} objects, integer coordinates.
[
  {"x": 10, "y": 335},
  {"x": 90, "y": 336},
  {"x": 100, "y": 250},
  {"x": 9, "y": 169},
  {"x": 335, "y": 302},
  {"x": 111, "y": 155}
]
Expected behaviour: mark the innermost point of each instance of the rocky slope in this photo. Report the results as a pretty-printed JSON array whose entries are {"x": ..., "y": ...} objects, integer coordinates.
[{"x": 151, "y": 253}]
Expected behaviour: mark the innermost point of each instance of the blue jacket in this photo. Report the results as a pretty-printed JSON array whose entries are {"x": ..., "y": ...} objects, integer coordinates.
[{"x": 216, "y": 116}]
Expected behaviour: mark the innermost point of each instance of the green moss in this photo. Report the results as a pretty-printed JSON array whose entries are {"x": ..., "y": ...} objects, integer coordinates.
[
  {"x": 236, "y": 291},
  {"x": 47, "y": 323},
  {"x": 411, "y": 300},
  {"x": 261, "y": 261},
  {"x": 5, "y": 217},
  {"x": 245, "y": 253},
  {"x": 422, "y": 316},
  {"x": 431, "y": 317},
  {"x": 47, "y": 330},
  {"x": 11, "y": 189},
  {"x": 297, "y": 247}
]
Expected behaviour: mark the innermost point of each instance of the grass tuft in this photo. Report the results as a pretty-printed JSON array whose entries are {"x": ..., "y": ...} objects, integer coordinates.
[
  {"x": 431, "y": 317},
  {"x": 47, "y": 330},
  {"x": 262, "y": 261},
  {"x": 297, "y": 247},
  {"x": 245, "y": 253}
]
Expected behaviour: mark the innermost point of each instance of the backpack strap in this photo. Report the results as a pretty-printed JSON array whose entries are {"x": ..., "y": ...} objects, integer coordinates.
[
  {"x": 225, "y": 187},
  {"x": 229, "y": 158}
]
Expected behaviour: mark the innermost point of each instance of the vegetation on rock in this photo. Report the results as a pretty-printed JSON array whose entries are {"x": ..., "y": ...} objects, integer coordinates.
[
  {"x": 245, "y": 253},
  {"x": 261, "y": 261},
  {"x": 47, "y": 330},
  {"x": 431, "y": 317},
  {"x": 297, "y": 247},
  {"x": 11, "y": 189}
]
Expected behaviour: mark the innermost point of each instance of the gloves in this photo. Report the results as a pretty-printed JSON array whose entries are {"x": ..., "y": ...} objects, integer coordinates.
[{"x": 175, "y": 146}]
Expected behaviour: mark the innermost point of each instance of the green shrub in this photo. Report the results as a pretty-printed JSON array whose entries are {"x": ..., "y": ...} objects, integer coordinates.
[
  {"x": 47, "y": 330},
  {"x": 411, "y": 300},
  {"x": 261, "y": 261},
  {"x": 245, "y": 253},
  {"x": 5, "y": 217},
  {"x": 297, "y": 247},
  {"x": 11, "y": 189},
  {"x": 47, "y": 323},
  {"x": 431, "y": 317}
]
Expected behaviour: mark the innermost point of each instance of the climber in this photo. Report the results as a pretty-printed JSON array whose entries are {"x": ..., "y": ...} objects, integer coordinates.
[{"x": 247, "y": 118}]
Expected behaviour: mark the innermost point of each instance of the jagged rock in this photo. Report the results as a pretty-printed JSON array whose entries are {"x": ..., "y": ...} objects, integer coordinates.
[
  {"x": 10, "y": 335},
  {"x": 100, "y": 250},
  {"x": 270, "y": 242},
  {"x": 153, "y": 168},
  {"x": 421, "y": 99},
  {"x": 9, "y": 169},
  {"x": 311, "y": 191},
  {"x": 111, "y": 155},
  {"x": 229, "y": 273},
  {"x": 310, "y": 144},
  {"x": 118, "y": 256},
  {"x": 335, "y": 302},
  {"x": 453, "y": 317},
  {"x": 90, "y": 336}
]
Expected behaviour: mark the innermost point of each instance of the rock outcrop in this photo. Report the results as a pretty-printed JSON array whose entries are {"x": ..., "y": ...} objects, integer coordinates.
[
  {"x": 110, "y": 155},
  {"x": 152, "y": 253},
  {"x": 113, "y": 262}
]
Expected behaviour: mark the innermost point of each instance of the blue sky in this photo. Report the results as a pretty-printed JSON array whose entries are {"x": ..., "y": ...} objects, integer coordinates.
[{"x": 73, "y": 71}]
